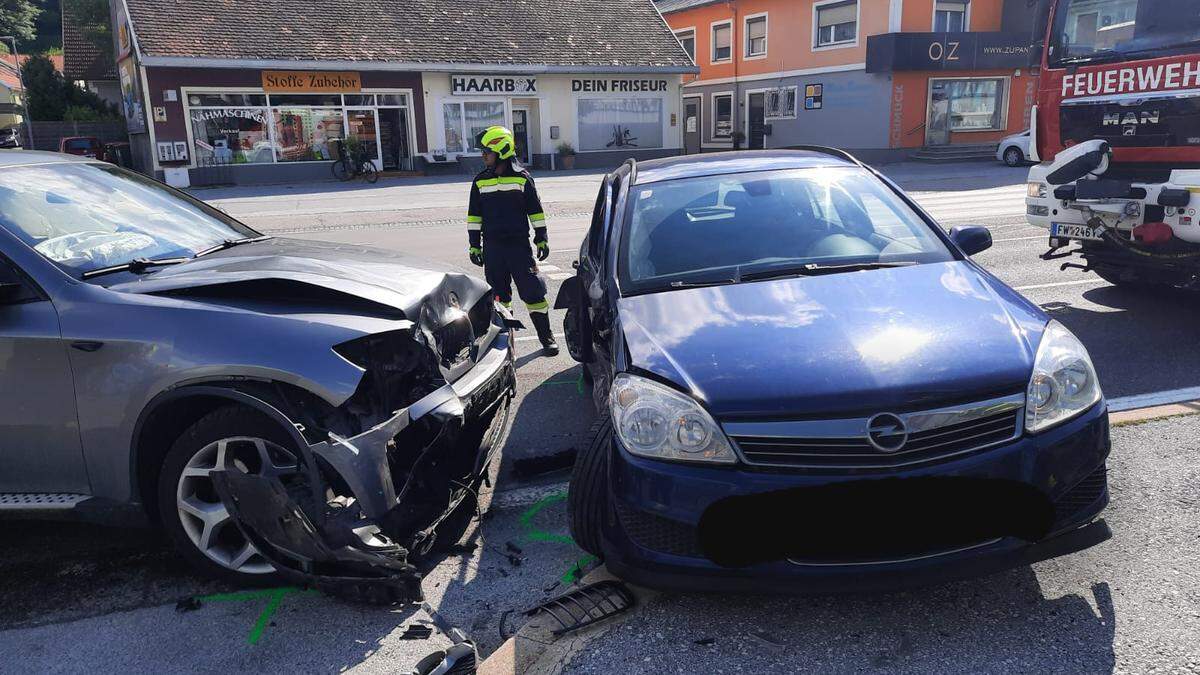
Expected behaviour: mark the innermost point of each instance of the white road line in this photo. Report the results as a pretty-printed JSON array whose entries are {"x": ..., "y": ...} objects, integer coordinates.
[
  {"x": 559, "y": 276},
  {"x": 528, "y": 338},
  {"x": 1080, "y": 282},
  {"x": 1152, "y": 399},
  {"x": 549, "y": 268}
]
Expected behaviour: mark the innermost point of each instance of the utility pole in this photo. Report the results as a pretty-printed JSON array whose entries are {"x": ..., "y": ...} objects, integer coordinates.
[{"x": 24, "y": 94}]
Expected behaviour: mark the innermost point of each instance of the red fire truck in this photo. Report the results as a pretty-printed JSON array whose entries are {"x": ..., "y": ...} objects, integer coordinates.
[{"x": 1117, "y": 131}]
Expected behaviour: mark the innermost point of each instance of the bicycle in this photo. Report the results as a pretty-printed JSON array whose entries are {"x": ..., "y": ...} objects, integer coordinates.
[{"x": 346, "y": 166}]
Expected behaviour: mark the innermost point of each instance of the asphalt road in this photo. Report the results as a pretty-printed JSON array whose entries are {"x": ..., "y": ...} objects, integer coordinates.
[{"x": 87, "y": 598}]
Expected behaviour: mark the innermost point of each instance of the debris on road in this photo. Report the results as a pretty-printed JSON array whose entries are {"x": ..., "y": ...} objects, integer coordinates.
[
  {"x": 188, "y": 604},
  {"x": 417, "y": 631},
  {"x": 586, "y": 605},
  {"x": 705, "y": 642},
  {"x": 528, "y": 467}
]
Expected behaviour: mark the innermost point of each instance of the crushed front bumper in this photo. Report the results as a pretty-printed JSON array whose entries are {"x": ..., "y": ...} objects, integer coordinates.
[{"x": 347, "y": 546}]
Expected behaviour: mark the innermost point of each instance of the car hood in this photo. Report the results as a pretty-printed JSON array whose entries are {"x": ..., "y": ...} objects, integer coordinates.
[
  {"x": 859, "y": 342},
  {"x": 316, "y": 274}
]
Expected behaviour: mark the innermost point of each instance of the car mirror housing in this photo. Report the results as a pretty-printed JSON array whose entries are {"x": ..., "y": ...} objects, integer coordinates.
[{"x": 971, "y": 239}]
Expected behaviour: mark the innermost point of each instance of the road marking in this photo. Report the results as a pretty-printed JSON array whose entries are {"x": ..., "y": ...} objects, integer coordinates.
[
  {"x": 1154, "y": 398},
  {"x": 550, "y": 268},
  {"x": 559, "y": 276},
  {"x": 529, "y": 338},
  {"x": 1036, "y": 236},
  {"x": 1056, "y": 284}
]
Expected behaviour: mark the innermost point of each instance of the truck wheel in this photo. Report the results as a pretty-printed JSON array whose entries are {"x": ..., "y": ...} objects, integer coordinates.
[
  {"x": 232, "y": 438},
  {"x": 1014, "y": 157},
  {"x": 587, "y": 497}
]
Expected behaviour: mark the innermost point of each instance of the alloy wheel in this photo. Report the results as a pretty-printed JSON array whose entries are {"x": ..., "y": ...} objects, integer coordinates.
[{"x": 205, "y": 519}]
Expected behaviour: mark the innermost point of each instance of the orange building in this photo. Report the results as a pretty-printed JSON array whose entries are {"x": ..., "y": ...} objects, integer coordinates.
[{"x": 884, "y": 78}]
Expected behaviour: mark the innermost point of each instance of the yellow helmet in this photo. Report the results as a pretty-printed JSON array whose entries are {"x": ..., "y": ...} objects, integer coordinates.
[{"x": 499, "y": 140}]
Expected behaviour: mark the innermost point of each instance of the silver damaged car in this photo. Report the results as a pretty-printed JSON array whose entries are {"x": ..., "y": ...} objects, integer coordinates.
[{"x": 320, "y": 412}]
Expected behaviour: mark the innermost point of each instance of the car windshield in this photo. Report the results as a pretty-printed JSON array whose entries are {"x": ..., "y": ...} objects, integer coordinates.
[
  {"x": 91, "y": 216},
  {"x": 1110, "y": 30},
  {"x": 727, "y": 228}
]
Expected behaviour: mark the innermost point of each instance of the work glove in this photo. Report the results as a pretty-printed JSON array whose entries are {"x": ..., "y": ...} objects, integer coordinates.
[
  {"x": 476, "y": 255},
  {"x": 543, "y": 250}
]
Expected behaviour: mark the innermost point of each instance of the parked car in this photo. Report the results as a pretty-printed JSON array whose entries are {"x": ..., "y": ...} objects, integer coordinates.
[
  {"x": 84, "y": 146},
  {"x": 1014, "y": 150},
  {"x": 319, "y": 411},
  {"x": 803, "y": 382},
  {"x": 10, "y": 137}
]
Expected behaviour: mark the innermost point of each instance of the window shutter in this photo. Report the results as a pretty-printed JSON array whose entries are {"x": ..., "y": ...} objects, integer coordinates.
[{"x": 834, "y": 15}]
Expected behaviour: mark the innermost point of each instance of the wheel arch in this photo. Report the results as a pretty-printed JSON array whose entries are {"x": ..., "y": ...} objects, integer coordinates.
[{"x": 170, "y": 413}]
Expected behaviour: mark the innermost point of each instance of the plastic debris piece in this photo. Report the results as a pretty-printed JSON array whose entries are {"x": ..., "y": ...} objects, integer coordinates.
[
  {"x": 512, "y": 547},
  {"x": 586, "y": 605},
  {"x": 188, "y": 604},
  {"x": 527, "y": 467},
  {"x": 416, "y": 631}
]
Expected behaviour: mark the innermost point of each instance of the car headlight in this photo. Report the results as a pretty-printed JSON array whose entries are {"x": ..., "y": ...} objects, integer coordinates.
[
  {"x": 1064, "y": 381},
  {"x": 655, "y": 421},
  {"x": 1035, "y": 190}
]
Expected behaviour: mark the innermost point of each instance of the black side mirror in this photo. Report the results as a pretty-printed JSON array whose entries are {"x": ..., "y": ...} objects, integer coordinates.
[{"x": 971, "y": 238}]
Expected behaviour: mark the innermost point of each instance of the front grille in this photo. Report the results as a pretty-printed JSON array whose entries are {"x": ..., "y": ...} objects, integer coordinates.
[
  {"x": 657, "y": 533},
  {"x": 1084, "y": 494},
  {"x": 937, "y": 436}
]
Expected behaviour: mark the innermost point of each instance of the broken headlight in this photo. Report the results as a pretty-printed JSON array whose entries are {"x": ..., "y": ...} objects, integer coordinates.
[
  {"x": 398, "y": 371},
  {"x": 1064, "y": 381},
  {"x": 655, "y": 421}
]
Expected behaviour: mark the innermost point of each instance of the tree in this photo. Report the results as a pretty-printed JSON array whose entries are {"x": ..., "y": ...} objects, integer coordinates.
[
  {"x": 18, "y": 18},
  {"x": 50, "y": 97}
]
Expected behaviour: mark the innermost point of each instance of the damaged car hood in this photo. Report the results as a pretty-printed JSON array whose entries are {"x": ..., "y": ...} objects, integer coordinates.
[
  {"x": 297, "y": 267},
  {"x": 840, "y": 343}
]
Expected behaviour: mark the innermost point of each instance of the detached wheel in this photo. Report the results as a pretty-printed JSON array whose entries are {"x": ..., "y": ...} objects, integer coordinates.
[
  {"x": 1014, "y": 157},
  {"x": 232, "y": 438},
  {"x": 587, "y": 496}
]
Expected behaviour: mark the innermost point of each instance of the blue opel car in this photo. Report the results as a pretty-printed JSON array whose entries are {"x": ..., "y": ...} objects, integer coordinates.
[{"x": 804, "y": 383}]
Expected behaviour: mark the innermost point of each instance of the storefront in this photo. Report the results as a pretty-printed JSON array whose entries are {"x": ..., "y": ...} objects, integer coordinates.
[
  {"x": 603, "y": 118},
  {"x": 954, "y": 89},
  {"x": 275, "y": 97}
]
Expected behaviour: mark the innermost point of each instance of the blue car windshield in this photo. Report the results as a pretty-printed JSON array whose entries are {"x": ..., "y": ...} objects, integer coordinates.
[
  {"x": 722, "y": 228},
  {"x": 88, "y": 216}
]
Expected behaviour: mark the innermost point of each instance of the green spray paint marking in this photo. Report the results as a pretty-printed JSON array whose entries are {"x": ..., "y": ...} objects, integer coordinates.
[
  {"x": 275, "y": 598},
  {"x": 576, "y": 571},
  {"x": 533, "y": 534},
  {"x": 578, "y": 382}
]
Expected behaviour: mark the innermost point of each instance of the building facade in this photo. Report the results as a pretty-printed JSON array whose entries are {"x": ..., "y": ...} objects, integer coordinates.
[
  {"x": 277, "y": 99},
  {"x": 881, "y": 78}
]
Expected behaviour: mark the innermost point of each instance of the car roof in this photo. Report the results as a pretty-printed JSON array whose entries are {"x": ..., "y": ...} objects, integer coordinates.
[
  {"x": 720, "y": 163},
  {"x": 26, "y": 157}
]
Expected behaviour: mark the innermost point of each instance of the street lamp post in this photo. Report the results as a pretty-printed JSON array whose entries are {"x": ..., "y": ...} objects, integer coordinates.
[{"x": 24, "y": 94}]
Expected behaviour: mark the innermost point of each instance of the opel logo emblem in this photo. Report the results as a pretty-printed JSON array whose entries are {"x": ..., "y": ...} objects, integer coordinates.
[{"x": 887, "y": 432}]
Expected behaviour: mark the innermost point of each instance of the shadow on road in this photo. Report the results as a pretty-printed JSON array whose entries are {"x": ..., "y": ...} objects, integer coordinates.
[{"x": 1132, "y": 333}]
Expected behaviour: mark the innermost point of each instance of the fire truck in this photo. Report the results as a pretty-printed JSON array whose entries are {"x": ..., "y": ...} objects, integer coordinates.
[{"x": 1116, "y": 129}]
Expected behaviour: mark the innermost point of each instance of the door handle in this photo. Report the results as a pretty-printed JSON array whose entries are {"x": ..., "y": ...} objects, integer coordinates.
[{"x": 86, "y": 345}]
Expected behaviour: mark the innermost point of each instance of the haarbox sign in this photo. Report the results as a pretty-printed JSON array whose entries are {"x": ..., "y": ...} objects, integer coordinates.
[
  {"x": 462, "y": 85},
  {"x": 303, "y": 80}
]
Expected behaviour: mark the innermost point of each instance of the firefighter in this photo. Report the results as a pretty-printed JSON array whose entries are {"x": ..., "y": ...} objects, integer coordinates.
[{"x": 504, "y": 203}]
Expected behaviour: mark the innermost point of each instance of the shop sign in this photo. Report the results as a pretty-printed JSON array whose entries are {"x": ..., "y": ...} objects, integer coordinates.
[
  {"x": 618, "y": 85},
  {"x": 220, "y": 114},
  {"x": 301, "y": 80},
  {"x": 947, "y": 51},
  {"x": 131, "y": 96},
  {"x": 462, "y": 85}
]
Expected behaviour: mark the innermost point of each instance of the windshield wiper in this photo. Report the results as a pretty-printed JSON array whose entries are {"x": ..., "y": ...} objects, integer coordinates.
[
  {"x": 702, "y": 284},
  {"x": 137, "y": 266},
  {"x": 230, "y": 243},
  {"x": 814, "y": 269}
]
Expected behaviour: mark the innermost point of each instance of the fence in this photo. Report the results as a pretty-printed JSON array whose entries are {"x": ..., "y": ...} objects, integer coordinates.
[{"x": 46, "y": 135}]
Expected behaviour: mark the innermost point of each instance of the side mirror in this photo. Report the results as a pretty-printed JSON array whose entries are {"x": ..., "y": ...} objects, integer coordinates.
[{"x": 971, "y": 238}]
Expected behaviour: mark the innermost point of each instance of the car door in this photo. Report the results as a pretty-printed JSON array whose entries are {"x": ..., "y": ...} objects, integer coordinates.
[
  {"x": 40, "y": 449},
  {"x": 593, "y": 276}
]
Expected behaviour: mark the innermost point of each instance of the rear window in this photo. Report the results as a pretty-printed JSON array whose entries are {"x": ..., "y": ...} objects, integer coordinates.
[
  {"x": 79, "y": 144},
  {"x": 707, "y": 227}
]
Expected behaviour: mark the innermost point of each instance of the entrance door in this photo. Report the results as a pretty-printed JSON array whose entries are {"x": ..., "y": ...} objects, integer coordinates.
[
  {"x": 756, "y": 118},
  {"x": 393, "y": 138},
  {"x": 691, "y": 125},
  {"x": 363, "y": 124},
  {"x": 937, "y": 131},
  {"x": 520, "y": 117}
]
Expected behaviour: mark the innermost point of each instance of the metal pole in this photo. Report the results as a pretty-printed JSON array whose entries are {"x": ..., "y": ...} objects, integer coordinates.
[{"x": 24, "y": 94}]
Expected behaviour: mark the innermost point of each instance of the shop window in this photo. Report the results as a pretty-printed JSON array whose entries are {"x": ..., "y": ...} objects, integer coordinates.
[
  {"x": 400, "y": 100},
  {"x": 781, "y": 103},
  {"x": 722, "y": 115},
  {"x": 307, "y": 134},
  {"x": 230, "y": 136},
  {"x": 975, "y": 105},
  {"x": 949, "y": 16},
  {"x": 360, "y": 99},
  {"x": 756, "y": 35},
  {"x": 463, "y": 122},
  {"x": 620, "y": 123},
  {"x": 722, "y": 42},
  {"x": 836, "y": 23},
  {"x": 687, "y": 40},
  {"x": 228, "y": 100}
]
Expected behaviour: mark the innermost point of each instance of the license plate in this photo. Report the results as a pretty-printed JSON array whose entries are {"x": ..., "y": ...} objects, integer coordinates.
[{"x": 1069, "y": 231}]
